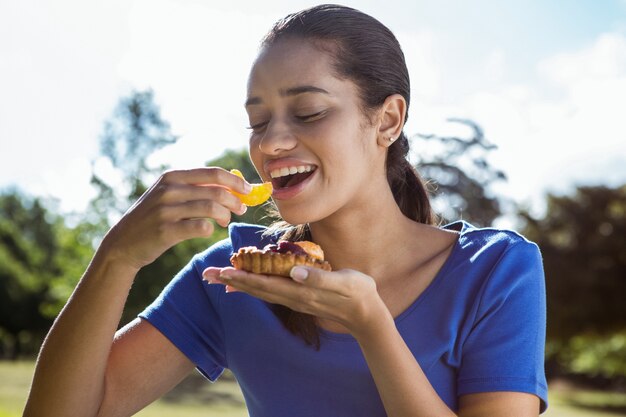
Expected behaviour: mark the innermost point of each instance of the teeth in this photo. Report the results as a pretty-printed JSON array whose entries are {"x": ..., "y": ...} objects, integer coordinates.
[{"x": 282, "y": 172}]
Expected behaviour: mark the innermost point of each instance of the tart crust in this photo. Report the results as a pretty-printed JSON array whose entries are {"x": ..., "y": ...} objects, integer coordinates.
[{"x": 259, "y": 261}]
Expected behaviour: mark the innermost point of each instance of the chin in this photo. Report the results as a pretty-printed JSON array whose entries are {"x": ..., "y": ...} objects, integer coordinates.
[{"x": 298, "y": 215}]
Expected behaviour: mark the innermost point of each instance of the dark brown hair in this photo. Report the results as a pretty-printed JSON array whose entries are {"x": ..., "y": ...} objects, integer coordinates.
[{"x": 366, "y": 52}]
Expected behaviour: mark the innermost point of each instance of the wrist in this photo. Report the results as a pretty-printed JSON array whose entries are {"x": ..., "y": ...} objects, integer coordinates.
[
  {"x": 109, "y": 257},
  {"x": 113, "y": 252},
  {"x": 376, "y": 321}
]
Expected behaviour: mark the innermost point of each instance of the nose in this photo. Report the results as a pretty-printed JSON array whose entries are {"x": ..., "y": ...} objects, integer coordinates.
[{"x": 276, "y": 140}]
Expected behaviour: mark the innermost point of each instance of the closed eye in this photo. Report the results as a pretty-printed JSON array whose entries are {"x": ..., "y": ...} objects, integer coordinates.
[
  {"x": 257, "y": 127},
  {"x": 312, "y": 117},
  {"x": 304, "y": 118}
]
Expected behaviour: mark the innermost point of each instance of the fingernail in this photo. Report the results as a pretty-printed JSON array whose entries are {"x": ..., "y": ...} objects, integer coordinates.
[
  {"x": 298, "y": 273},
  {"x": 209, "y": 275},
  {"x": 230, "y": 289},
  {"x": 225, "y": 277},
  {"x": 247, "y": 187}
]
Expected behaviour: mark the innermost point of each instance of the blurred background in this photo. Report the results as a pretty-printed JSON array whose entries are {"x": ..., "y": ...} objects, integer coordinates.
[{"x": 517, "y": 120}]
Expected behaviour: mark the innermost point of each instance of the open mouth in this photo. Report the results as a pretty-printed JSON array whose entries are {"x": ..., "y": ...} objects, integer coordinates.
[{"x": 290, "y": 176}]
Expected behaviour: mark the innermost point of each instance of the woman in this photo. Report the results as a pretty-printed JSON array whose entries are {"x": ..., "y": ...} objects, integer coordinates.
[{"x": 415, "y": 320}]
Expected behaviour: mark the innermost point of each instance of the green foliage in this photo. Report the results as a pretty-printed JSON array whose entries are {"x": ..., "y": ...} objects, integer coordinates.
[
  {"x": 233, "y": 159},
  {"x": 461, "y": 175},
  {"x": 134, "y": 132},
  {"x": 35, "y": 256},
  {"x": 595, "y": 355},
  {"x": 583, "y": 243},
  {"x": 74, "y": 251},
  {"x": 24, "y": 268}
]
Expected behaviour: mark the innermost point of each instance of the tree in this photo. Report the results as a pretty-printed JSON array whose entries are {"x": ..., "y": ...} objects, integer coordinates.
[
  {"x": 583, "y": 242},
  {"x": 458, "y": 170},
  {"x": 37, "y": 253},
  {"x": 134, "y": 132},
  {"x": 23, "y": 288}
]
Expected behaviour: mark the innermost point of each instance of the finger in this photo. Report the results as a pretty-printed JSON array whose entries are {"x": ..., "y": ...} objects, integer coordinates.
[
  {"x": 344, "y": 283},
  {"x": 197, "y": 209},
  {"x": 208, "y": 175},
  {"x": 274, "y": 289},
  {"x": 280, "y": 290},
  {"x": 185, "y": 193},
  {"x": 212, "y": 275},
  {"x": 188, "y": 229},
  {"x": 321, "y": 279}
]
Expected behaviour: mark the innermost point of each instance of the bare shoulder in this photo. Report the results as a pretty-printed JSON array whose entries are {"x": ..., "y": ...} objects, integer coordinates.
[{"x": 143, "y": 365}]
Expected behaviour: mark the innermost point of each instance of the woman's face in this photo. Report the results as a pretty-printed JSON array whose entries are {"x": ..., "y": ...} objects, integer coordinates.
[{"x": 308, "y": 133}]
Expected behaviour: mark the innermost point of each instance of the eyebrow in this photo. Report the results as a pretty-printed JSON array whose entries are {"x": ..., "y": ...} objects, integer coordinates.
[{"x": 294, "y": 91}]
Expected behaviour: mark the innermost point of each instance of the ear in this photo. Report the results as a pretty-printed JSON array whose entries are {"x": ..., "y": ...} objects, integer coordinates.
[{"x": 392, "y": 115}]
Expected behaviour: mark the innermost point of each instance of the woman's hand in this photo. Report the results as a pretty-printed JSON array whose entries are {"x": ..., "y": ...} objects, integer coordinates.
[
  {"x": 179, "y": 206},
  {"x": 345, "y": 296}
]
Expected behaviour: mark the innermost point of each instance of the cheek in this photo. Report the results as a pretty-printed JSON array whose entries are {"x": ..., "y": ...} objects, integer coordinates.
[{"x": 255, "y": 155}]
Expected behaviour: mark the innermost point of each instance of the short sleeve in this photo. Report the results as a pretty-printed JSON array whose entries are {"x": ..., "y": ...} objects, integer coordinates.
[
  {"x": 187, "y": 312},
  {"x": 504, "y": 350}
]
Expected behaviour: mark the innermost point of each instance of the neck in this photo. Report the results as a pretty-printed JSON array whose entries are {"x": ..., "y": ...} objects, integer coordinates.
[{"x": 366, "y": 235}]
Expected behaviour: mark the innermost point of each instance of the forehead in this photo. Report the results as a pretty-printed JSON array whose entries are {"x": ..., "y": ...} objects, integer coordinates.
[{"x": 289, "y": 63}]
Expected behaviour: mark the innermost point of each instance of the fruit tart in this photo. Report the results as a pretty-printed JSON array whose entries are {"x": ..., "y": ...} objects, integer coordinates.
[{"x": 278, "y": 259}]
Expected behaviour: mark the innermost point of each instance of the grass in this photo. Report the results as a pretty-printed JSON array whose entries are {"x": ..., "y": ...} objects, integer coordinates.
[
  {"x": 567, "y": 400},
  {"x": 191, "y": 398},
  {"x": 15, "y": 380},
  {"x": 195, "y": 397}
]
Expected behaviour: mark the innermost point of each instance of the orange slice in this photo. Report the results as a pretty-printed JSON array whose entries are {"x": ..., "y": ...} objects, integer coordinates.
[{"x": 260, "y": 192}]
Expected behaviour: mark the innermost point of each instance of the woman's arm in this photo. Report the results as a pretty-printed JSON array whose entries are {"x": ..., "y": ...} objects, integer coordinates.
[
  {"x": 401, "y": 383},
  {"x": 84, "y": 368},
  {"x": 81, "y": 372},
  {"x": 405, "y": 390},
  {"x": 72, "y": 362}
]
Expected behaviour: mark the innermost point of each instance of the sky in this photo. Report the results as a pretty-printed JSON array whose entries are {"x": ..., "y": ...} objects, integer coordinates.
[{"x": 546, "y": 80}]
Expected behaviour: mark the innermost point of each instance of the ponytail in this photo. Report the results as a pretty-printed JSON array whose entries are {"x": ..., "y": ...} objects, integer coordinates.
[{"x": 408, "y": 189}]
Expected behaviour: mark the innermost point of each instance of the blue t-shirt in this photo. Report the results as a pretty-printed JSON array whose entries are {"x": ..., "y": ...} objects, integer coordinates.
[{"x": 478, "y": 327}]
